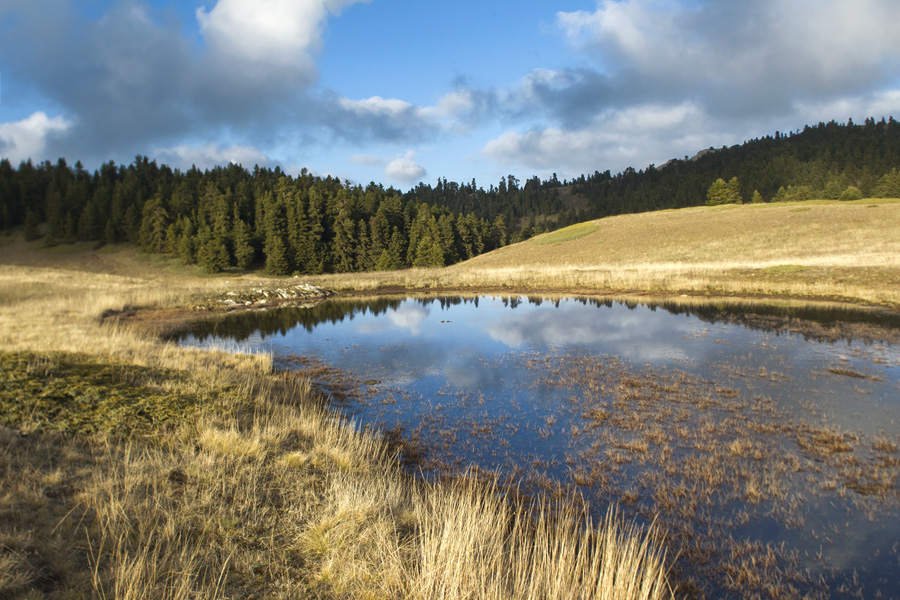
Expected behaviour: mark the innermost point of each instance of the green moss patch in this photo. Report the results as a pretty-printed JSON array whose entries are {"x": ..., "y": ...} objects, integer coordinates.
[
  {"x": 566, "y": 234},
  {"x": 77, "y": 394},
  {"x": 784, "y": 269}
]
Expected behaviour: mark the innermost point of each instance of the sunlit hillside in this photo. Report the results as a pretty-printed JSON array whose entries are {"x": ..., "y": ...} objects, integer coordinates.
[{"x": 828, "y": 249}]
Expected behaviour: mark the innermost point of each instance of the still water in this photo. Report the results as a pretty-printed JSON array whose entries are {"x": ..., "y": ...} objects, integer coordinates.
[{"x": 765, "y": 440}]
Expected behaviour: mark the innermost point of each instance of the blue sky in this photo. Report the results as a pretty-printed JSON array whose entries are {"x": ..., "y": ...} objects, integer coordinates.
[{"x": 401, "y": 91}]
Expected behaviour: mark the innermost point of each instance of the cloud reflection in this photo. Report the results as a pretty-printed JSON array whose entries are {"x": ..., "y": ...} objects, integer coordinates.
[
  {"x": 642, "y": 336},
  {"x": 408, "y": 316}
]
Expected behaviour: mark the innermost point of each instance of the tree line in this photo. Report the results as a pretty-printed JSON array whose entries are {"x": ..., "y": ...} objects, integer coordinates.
[
  {"x": 819, "y": 161},
  {"x": 231, "y": 217}
]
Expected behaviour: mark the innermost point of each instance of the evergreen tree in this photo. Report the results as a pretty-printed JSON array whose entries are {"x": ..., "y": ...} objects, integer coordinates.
[
  {"x": 109, "y": 232},
  {"x": 244, "y": 253},
  {"x": 31, "y": 226},
  {"x": 212, "y": 255},
  {"x": 154, "y": 225},
  {"x": 344, "y": 245},
  {"x": 187, "y": 242},
  {"x": 364, "y": 247},
  {"x": 276, "y": 256},
  {"x": 721, "y": 192},
  {"x": 888, "y": 186}
]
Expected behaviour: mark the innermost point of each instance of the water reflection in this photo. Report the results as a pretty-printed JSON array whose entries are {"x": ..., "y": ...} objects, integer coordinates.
[{"x": 740, "y": 430}]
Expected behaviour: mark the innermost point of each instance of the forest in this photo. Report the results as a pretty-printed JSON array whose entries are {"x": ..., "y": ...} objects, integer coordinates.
[{"x": 229, "y": 217}]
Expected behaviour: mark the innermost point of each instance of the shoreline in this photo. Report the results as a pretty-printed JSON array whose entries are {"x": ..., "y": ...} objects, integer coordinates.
[{"x": 163, "y": 322}]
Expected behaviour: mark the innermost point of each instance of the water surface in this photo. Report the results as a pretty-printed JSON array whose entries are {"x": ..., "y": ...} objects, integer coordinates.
[{"x": 765, "y": 439}]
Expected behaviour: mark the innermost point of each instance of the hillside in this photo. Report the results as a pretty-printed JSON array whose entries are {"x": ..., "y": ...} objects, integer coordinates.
[
  {"x": 848, "y": 250},
  {"x": 815, "y": 250},
  {"x": 861, "y": 233}
]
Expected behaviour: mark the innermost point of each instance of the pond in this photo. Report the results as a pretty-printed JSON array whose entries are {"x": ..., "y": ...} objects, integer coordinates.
[{"x": 764, "y": 439}]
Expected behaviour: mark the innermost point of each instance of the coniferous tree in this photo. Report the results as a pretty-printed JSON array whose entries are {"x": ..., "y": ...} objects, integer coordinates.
[
  {"x": 31, "y": 226},
  {"x": 154, "y": 225},
  {"x": 276, "y": 256},
  {"x": 344, "y": 245},
  {"x": 212, "y": 255},
  {"x": 363, "y": 248},
  {"x": 244, "y": 253},
  {"x": 187, "y": 242}
]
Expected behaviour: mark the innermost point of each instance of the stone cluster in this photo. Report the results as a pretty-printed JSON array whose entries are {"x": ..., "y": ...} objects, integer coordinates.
[{"x": 255, "y": 298}]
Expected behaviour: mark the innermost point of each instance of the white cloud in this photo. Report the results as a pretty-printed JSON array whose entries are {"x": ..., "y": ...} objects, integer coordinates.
[
  {"x": 27, "y": 138},
  {"x": 266, "y": 32},
  {"x": 451, "y": 105},
  {"x": 635, "y": 136},
  {"x": 210, "y": 155},
  {"x": 410, "y": 317},
  {"x": 880, "y": 104},
  {"x": 405, "y": 169},
  {"x": 376, "y": 106},
  {"x": 809, "y": 46}
]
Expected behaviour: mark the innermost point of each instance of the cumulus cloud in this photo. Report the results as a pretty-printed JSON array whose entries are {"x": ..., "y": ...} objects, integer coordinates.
[
  {"x": 207, "y": 156},
  {"x": 131, "y": 80},
  {"x": 392, "y": 119},
  {"x": 377, "y": 106},
  {"x": 741, "y": 57},
  {"x": 665, "y": 79},
  {"x": 616, "y": 139},
  {"x": 405, "y": 169},
  {"x": 268, "y": 32},
  {"x": 27, "y": 138}
]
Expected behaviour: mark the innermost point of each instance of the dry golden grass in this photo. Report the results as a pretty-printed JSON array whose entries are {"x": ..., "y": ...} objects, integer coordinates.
[
  {"x": 262, "y": 492},
  {"x": 823, "y": 250}
]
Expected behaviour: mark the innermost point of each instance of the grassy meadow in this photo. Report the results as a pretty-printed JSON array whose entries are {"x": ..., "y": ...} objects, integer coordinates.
[
  {"x": 132, "y": 468},
  {"x": 815, "y": 250}
]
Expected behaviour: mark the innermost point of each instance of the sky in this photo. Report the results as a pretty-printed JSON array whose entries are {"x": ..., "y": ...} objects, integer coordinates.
[{"x": 403, "y": 91}]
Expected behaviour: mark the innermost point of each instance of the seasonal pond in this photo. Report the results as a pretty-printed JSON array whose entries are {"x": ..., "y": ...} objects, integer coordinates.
[{"x": 764, "y": 439}]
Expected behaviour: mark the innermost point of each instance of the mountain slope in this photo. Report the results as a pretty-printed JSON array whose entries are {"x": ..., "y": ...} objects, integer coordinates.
[{"x": 816, "y": 248}]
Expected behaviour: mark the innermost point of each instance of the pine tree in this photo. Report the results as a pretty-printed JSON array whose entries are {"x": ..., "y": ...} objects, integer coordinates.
[
  {"x": 275, "y": 247},
  {"x": 276, "y": 256},
  {"x": 364, "y": 247},
  {"x": 721, "y": 192},
  {"x": 187, "y": 242},
  {"x": 343, "y": 246},
  {"x": 154, "y": 225},
  {"x": 31, "y": 226},
  {"x": 109, "y": 232},
  {"x": 212, "y": 255},
  {"x": 244, "y": 253}
]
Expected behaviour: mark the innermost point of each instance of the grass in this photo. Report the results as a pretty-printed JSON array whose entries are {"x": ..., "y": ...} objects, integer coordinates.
[
  {"x": 133, "y": 468},
  {"x": 828, "y": 251},
  {"x": 566, "y": 234}
]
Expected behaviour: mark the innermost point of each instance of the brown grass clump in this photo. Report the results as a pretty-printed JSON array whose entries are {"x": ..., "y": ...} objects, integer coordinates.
[{"x": 252, "y": 488}]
